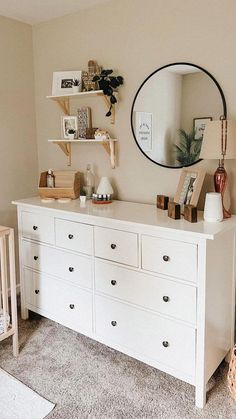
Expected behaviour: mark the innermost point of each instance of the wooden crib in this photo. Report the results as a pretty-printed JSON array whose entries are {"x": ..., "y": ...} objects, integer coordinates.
[{"x": 8, "y": 309}]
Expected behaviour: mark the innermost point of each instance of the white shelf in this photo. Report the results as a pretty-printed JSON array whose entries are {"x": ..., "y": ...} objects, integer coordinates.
[
  {"x": 79, "y": 140},
  {"x": 65, "y": 146},
  {"x": 79, "y": 94},
  {"x": 64, "y": 100}
]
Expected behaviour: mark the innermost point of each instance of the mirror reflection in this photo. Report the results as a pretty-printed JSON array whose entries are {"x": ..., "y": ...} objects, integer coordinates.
[{"x": 170, "y": 112}]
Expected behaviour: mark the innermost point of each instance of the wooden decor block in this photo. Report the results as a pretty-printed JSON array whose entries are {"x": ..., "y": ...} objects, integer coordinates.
[
  {"x": 190, "y": 213},
  {"x": 67, "y": 185},
  {"x": 174, "y": 210},
  {"x": 162, "y": 202},
  {"x": 90, "y": 133}
]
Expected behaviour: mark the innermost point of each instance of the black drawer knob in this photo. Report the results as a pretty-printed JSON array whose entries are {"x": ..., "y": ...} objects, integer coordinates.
[
  {"x": 113, "y": 323},
  {"x": 35, "y": 228},
  {"x": 36, "y": 291},
  {"x": 72, "y": 306},
  {"x": 71, "y": 269},
  {"x": 113, "y": 246},
  {"x": 36, "y": 257},
  {"x": 70, "y": 236},
  {"x": 166, "y": 298},
  {"x": 113, "y": 282},
  {"x": 165, "y": 344},
  {"x": 166, "y": 258}
]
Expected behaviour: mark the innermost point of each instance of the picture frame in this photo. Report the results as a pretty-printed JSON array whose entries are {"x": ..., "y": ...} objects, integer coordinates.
[
  {"x": 62, "y": 82},
  {"x": 189, "y": 186},
  {"x": 199, "y": 125},
  {"x": 69, "y": 122},
  {"x": 143, "y": 131}
]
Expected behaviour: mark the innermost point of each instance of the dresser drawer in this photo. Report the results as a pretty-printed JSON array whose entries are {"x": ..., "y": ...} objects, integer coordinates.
[
  {"x": 38, "y": 227},
  {"x": 115, "y": 245},
  {"x": 74, "y": 236},
  {"x": 66, "y": 304},
  {"x": 170, "y": 257},
  {"x": 165, "y": 341},
  {"x": 68, "y": 266},
  {"x": 167, "y": 297}
]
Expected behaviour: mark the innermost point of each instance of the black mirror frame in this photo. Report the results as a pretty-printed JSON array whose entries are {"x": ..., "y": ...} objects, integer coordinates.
[{"x": 156, "y": 71}]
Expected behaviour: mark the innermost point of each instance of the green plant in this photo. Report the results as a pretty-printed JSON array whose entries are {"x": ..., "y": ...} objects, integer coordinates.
[
  {"x": 71, "y": 131},
  {"x": 107, "y": 83},
  {"x": 188, "y": 149},
  {"x": 82, "y": 192},
  {"x": 75, "y": 82}
]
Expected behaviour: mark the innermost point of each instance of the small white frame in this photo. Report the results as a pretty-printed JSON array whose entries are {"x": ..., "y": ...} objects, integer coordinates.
[
  {"x": 69, "y": 122},
  {"x": 62, "y": 82}
]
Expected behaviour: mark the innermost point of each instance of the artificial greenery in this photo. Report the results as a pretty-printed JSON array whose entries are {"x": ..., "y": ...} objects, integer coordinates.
[
  {"x": 188, "y": 149},
  {"x": 71, "y": 131},
  {"x": 75, "y": 82},
  {"x": 108, "y": 84}
]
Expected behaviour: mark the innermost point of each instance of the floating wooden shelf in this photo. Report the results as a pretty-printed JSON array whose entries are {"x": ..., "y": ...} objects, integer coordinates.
[
  {"x": 65, "y": 145},
  {"x": 64, "y": 101}
]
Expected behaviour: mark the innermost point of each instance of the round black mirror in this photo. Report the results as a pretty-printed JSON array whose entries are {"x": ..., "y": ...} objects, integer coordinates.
[{"x": 170, "y": 111}]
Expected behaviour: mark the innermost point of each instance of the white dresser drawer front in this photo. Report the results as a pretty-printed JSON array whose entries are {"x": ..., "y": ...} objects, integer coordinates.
[
  {"x": 39, "y": 291},
  {"x": 66, "y": 304},
  {"x": 75, "y": 309},
  {"x": 115, "y": 245},
  {"x": 68, "y": 266},
  {"x": 170, "y": 257},
  {"x": 38, "y": 227},
  {"x": 167, "y": 297},
  {"x": 74, "y": 236},
  {"x": 166, "y": 341}
]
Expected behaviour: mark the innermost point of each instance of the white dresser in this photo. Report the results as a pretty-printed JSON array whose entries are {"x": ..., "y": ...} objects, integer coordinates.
[{"x": 157, "y": 289}]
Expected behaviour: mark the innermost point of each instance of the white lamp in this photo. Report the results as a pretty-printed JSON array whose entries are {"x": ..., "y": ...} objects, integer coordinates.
[
  {"x": 104, "y": 187},
  {"x": 219, "y": 143}
]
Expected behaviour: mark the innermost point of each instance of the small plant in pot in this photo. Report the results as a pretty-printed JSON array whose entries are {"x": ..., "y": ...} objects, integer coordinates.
[
  {"x": 109, "y": 83},
  {"x": 82, "y": 196},
  {"x": 71, "y": 134},
  {"x": 76, "y": 84}
]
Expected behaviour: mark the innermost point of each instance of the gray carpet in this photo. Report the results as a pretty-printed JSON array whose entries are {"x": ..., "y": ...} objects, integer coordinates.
[{"x": 88, "y": 380}]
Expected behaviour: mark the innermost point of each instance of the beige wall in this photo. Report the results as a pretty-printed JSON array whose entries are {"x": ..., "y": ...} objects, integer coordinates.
[
  {"x": 18, "y": 152},
  {"x": 134, "y": 38}
]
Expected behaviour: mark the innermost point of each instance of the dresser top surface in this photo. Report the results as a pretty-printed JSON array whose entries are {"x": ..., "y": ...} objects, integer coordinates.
[{"x": 135, "y": 213}]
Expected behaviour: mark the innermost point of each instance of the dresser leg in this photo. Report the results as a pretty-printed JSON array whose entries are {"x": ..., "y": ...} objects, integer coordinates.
[
  {"x": 15, "y": 344},
  {"x": 200, "y": 396},
  {"x": 24, "y": 313}
]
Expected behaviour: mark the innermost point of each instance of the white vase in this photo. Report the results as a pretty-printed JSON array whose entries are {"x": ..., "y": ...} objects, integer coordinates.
[
  {"x": 213, "y": 210},
  {"x": 104, "y": 187},
  {"x": 75, "y": 89},
  {"x": 71, "y": 136}
]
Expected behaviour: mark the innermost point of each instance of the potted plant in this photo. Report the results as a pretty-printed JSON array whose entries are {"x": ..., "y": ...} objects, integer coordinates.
[
  {"x": 71, "y": 133},
  {"x": 82, "y": 196},
  {"x": 109, "y": 83},
  {"x": 188, "y": 149},
  {"x": 76, "y": 86}
]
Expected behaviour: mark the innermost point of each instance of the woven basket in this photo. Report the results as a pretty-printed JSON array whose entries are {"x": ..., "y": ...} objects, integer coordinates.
[{"x": 232, "y": 374}]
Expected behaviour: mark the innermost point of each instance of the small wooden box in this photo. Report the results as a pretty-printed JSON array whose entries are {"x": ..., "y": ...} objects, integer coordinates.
[
  {"x": 174, "y": 210},
  {"x": 162, "y": 202},
  {"x": 67, "y": 185},
  {"x": 190, "y": 213}
]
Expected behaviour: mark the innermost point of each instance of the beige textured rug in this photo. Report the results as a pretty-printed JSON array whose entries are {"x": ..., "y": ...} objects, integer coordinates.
[{"x": 17, "y": 401}]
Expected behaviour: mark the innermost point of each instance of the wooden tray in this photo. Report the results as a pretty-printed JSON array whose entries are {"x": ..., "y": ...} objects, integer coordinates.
[{"x": 67, "y": 185}]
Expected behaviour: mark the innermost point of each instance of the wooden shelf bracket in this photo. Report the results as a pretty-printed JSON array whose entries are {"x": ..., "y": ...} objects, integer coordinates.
[{"x": 65, "y": 146}]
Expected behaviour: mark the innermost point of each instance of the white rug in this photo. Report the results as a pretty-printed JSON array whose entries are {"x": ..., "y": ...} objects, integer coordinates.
[{"x": 17, "y": 401}]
